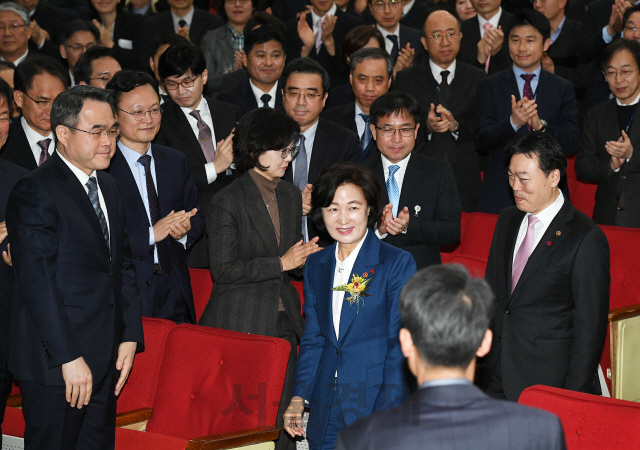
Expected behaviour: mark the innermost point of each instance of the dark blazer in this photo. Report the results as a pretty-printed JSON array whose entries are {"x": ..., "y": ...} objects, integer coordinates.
[
  {"x": 226, "y": 82},
  {"x": 217, "y": 47},
  {"x": 50, "y": 19},
  {"x": 428, "y": 185},
  {"x": 340, "y": 95},
  {"x": 551, "y": 329},
  {"x": 76, "y": 296},
  {"x": 565, "y": 58},
  {"x": 595, "y": 19},
  {"x": 455, "y": 416},
  {"x": 127, "y": 40},
  {"x": 469, "y": 44},
  {"x": 461, "y": 153},
  {"x": 345, "y": 116},
  {"x": 175, "y": 132},
  {"x": 367, "y": 355},
  {"x": 245, "y": 258},
  {"x": 556, "y": 105},
  {"x": 242, "y": 96},
  {"x": 412, "y": 36},
  {"x": 17, "y": 149},
  {"x": 286, "y": 10},
  {"x": 176, "y": 192},
  {"x": 593, "y": 164}
]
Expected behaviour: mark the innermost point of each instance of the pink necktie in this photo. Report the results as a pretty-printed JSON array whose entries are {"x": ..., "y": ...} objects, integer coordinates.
[
  {"x": 523, "y": 252},
  {"x": 44, "y": 153},
  {"x": 487, "y": 26},
  {"x": 319, "y": 36}
]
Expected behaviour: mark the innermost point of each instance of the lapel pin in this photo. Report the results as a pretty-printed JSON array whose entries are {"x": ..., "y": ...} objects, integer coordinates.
[
  {"x": 417, "y": 209},
  {"x": 558, "y": 233},
  {"x": 549, "y": 243}
]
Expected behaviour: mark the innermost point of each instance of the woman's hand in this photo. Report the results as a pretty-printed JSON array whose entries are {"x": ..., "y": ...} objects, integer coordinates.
[
  {"x": 297, "y": 255},
  {"x": 293, "y": 417}
]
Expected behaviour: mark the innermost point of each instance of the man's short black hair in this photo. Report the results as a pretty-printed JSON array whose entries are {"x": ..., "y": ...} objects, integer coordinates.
[
  {"x": 6, "y": 93},
  {"x": 542, "y": 145},
  {"x": 68, "y": 105},
  {"x": 531, "y": 17},
  {"x": 178, "y": 60},
  {"x": 447, "y": 313},
  {"x": 306, "y": 65},
  {"x": 128, "y": 80},
  {"x": 261, "y": 130},
  {"x": 37, "y": 65},
  {"x": 79, "y": 25},
  {"x": 394, "y": 103},
  {"x": 371, "y": 53},
  {"x": 628, "y": 12},
  {"x": 619, "y": 45},
  {"x": 331, "y": 178},
  {"x": 84, "y": 66},
  {"x": 263, "y": 18},
  {"x": 261, "y": 35},
  {"x": 168, "y": 39}
]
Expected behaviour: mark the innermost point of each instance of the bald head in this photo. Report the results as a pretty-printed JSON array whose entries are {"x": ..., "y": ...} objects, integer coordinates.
[{"x": 442, "y": 37}]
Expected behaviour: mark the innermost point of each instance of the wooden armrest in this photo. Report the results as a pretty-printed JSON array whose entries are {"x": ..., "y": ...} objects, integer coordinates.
[
  {"x": 624, "y": 313},
  {"x": 129, "y": 417},
  {"x": 14, "y": 401},
  {"x": 236, "y": 439}
]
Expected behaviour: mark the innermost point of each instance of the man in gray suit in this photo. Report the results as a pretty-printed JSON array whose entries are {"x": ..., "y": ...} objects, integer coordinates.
[{"x": 446, "y": 318}]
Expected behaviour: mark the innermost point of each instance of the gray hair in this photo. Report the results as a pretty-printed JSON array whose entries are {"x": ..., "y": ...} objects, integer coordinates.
[
  {"x": 371, "y": 53},
  {"x": 18, "y": 9}
]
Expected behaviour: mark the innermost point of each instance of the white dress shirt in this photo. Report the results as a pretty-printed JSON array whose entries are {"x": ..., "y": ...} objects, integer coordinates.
[
  {"x": 436, "y": 69},
  {"x": 407, "y": 7},
  {"x": 188, "y": 17},
  {"x": 387, "y": 42},
  {"x": 257, "y": 92},
  {"x": 34, "y": 137},
  {"x": 19, "y": 60},
  {"x": 205, "y": 115},
  {"x": 360, "y": 123},
  {"x": 545, "y": 218},
  {"x": 315, "y": 18},
  {"x": 399, "y": 176},
  {"x": 493, "y": 21}
]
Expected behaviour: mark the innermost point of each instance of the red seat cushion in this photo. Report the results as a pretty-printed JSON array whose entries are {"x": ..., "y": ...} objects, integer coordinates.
[
  {"x": 201, "y": 286},
  {"x": 583, "y": 197}
]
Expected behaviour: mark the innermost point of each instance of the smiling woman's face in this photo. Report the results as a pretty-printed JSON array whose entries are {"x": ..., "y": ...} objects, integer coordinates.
[{"x": 346, "y": 218}]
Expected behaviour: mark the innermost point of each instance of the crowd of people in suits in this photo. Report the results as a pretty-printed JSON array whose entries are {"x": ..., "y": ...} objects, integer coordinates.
[{"x": 332, "y": 142}]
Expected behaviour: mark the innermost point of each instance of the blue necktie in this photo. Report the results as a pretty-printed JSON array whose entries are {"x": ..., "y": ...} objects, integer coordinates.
[
  {"x": 394, "y": 50},
  {"x": 300, "y": 174},
  {"x": 392, "y": 189},
  {"x": 92, "y": 187},
  {"x": 366, "y": 136}
]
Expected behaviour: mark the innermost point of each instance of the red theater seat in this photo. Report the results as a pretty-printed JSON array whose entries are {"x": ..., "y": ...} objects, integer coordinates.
[
  {"x": 477, "y": 236},
  {"x": 447, "y": 251},
  {"x": 476, "y": 267},
  {"x": 201, "y": 285},
  {"x": 583, "y": 197}
]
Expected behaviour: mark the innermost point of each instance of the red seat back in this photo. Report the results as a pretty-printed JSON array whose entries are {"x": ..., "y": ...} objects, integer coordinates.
[
  {"x": 299, "y": 285},
  {"x": 214, "y": 381},
  {"x": 590, "y": 422},
  {"x": 476, "y": 267},
  {"x": 201, "y": 286},
  {"x": 447, "y": 251},
  {"x": 583, "y": 197},
  {"x": 477, "y": 236}
]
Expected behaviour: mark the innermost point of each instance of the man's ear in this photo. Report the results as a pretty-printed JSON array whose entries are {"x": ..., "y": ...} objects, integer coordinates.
[
  {"x": 62, "y": 134},
  {"x": 485, "y": 345},
  {"x": 151, "y": 64},
  {"x": 205, "y": 76},
  {"x": 63, "y": 51},
  {"x": 406, "y": 343},
  {"x": 17, "y": 98},
  {"x": 424, "y": 42},
  {"x": 555, "y": 177}
]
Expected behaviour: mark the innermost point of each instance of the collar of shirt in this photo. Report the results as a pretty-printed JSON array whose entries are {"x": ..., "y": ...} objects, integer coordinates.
[
  {"x": 534, "y": 82},
  {"x": 73, "y": 81},
  {"x": 435, "y": 71},
  {"x": 360, "y": 123},
  {"x": 637, "y": 99},
  {"x": 257, "y": 92},
  {"x": 555, "y": 35},
  {"x": 349, "y": 260},
  {"x": 400, "y": 173},
  {"x": 235, "y": 33},
  {"x": 80, "y": 175},
  {"x": 545, "y": 216},
  {"x": 315, "y": 17},
  {"x": 203, "y": 107},
  {"x": 493, "y": 21},
  {"x": 133, "y": 156},
  {"x": 188, "y": 17},
  {"x": 32, "y": 12},
  {"x": 445, "y": 382},
  {"x": 19, "y": 60},
  {"x": 142, "y": 11},
  {"x": 387, "y": 42},
  {"x": 406, "y": 8},
  {"x": 33, "y": 137}
]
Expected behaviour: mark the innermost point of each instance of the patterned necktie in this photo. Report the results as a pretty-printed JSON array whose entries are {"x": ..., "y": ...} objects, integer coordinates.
[
  {"x": 392, "y": 189},
  {"x": 527, "y": 92},
  {"x": 524, "y": 251},
  {"x": 265, "y": 99},
  {"x": 300, "y": 174},
  {"x": 204, "y": 136},
  {"x": 319, "y": 36},
  {"x": 486, "y": 27},
  {"x": 366, "y": 135},
  {"x": 445, "y": 78},
  {"x": 44, "y": 147},
  {"x": 394, "y": 50},
  {"x": 92, "y": 187},
  {"x": 154, "y": 211}
]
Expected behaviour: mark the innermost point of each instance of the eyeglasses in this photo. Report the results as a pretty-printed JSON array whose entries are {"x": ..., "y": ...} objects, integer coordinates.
[
  {"x": 293, "y": 151},
  {"x": 392, "y": 4},
  {"x": 294, "y": 94},
  {"x": 110, "y": 133},
  {"x": 439, "y": 37},
  {"x": 404, "y": 132},
  {"x": 11, "y": 27},
  {"x": 42, "y": 104},
  {"x": 613, "y": 74},
  {"x": 242, "y": 2},
  {"x": 80, "y": 47},
  {"x": 154, "y": 113},
  {"x": 630, "y": 29},
  {"x": 104, "y": 78},
  {"x": 186, "y": 83}
]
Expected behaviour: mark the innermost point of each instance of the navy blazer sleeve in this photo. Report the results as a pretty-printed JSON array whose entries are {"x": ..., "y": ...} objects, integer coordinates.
[
  {"x": 493, "y": 130},
  {"x": 191, "y": 202}
]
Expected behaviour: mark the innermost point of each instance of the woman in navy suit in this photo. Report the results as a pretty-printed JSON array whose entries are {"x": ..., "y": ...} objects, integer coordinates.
[{"x": 350, "y": 363}]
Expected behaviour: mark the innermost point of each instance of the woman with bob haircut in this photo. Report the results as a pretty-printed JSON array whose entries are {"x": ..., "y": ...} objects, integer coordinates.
[
  {"x": 255, "y": 239},
  {"x": 350, "y": 363}
]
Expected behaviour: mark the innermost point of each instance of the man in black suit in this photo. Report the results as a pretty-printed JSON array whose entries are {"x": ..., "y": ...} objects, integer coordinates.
[
  {"x": 518, "y": 100},
  {"x": 264, "y": 57},
  {"x": 423, "y": 206},
  {"x": 446, "y": 315},
  {"x": 44, "y": 18},
  {"x": 448, "y": 103},
  {"x": 162, "y": 215},
  {"x": 75, "y": 322},
  {"x": 602, "y": 23},
  {"x": 199, "y": 127},
  {"x": 371, "y": 70},
  {"x": 96, "y": 67},
  {"x": 37, "y": 83},
  {"x": 483, "y": 37},
  {"x": 398, "y": 38},
  {"x": 77, "y": 37},
  {"x": 549, "y": 268},
  {"x": 17, "y": 43}
]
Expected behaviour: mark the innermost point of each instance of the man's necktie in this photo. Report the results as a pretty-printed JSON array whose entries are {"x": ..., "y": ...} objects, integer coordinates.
[
  {"x": 154, "y": 211},
  {"x": 204, "y": 136},
  {"x": 182, "y": 23},
  {"x": 265, "y": 99},
  {"x": 394, "y": 50},
  {"x": 486, "y": 27},
  {"x": 319, "y": 36},
  {"x": 445, "y": 78},
  {"x": 366, "y": 136},
  {"x": 392, "y": 189},
  {"x": 527, "y": 92},
  {"x": 300, "y": 175},
  {"x": 522, "y": 256},
  {"x": 44, "y": 154},
  {"x": 92, "y": 187}
]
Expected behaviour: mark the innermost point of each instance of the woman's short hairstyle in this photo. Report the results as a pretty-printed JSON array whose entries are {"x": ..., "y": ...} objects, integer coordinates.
[
  {"x": 261, "y": 130},
  {"x": 331, "y": 178},
  {"x": 358, "y": 38}
]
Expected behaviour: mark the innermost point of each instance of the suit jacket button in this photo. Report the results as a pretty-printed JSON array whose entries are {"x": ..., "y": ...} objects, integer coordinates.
[
  {"x": 111, "y": 306},
  {"x": 147, "y": 284},
  {"x": 337, "y": 352},
  {"x": 499, "y": 339},
  {"x": 508, "y": 311}
]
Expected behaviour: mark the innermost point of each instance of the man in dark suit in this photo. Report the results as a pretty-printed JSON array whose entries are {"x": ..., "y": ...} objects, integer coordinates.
[
  {"x": 75, "y": 322},
  {"x": 602, "y": 23},
  {"x": 423, "y": 206},
  {"x": 446, "y": 315},
  {"x": 322, "y": 143},
  {"x": 448, "y": 103},
  {"x": 78, "y": 36},
  {"x": 162, "y": 215},
  {"x": 483, "y": 37},
  {"x": 45, "y": 17},
  {"x": 398, "y": 38},
  {"x": 96, "y": 67},
  {"x": 549, "y": 268},
  {"x": 200, "y": 128},
  {"x": 371, "y": 70},
  {"x": 264, "y": 58},
  {"x": 518, "y": 100},
  {"x": 414, "y": 14},
  {"x": 37, "y": 83}
]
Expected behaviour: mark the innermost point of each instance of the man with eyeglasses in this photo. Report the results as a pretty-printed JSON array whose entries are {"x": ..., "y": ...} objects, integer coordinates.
[
  {"x": 609, "y": 138},
  {"x": 445, "y": 89},
  {"x": 413, "y": 13},
  {"x": 96, "y": 67},
  {"x": 78, "y": 36},
  {"x": 322, "y": 143},
  {"x": 422, "y": 209},
  {"x": 398, "y": 38},
  {"x": 160, "y": 227},
  {"x": 37, "y": 83},
  {"x": 198, "y": 126}
]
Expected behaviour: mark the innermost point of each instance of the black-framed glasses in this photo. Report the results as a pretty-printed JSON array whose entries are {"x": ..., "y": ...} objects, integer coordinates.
[
  {"x": 289, "y": 151},
  {"x": 41, "y": 104},
  {"x": 404, "y": 132},
  {"x": 80, "y": 47},
  {"x": 12, "y": 27},
  {"x": 294, "y": 94},
  {"x": 104, "y": 78},
  {"x": 154, "y": 113},
  {"x": 392, "y": 4},
  {"x": 438, "y": 37},
  {"x": 111, "y": 133},
  {"x": 186, "y": 83}
]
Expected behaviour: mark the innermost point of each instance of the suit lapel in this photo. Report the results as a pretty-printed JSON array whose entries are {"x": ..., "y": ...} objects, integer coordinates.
[
  {"x": 279, "y": 104},
  {"x": 257, "y": 212},
  {"x": 112, "y": 208},
  {"x": 287, "y": 227},
  {"x": 320, "y": 145},
  {"x": 349, "y": 112},
  {"x": 509, "y": 84},
  {"x": 411, "y": 178},
  {"x": 379, "y": 171},
  {"x": 120, "y": 170},
  {"x": 176, "y": 116},
  {"x": 458, "y": 89},
  {"x": 512, "y": 234},
  {"x": 322, "y": 285},
  {"x": 163, "y": 177}
]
